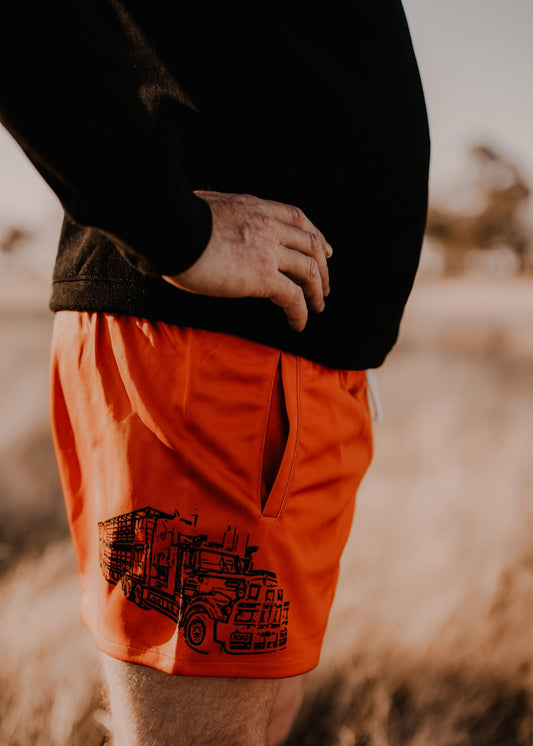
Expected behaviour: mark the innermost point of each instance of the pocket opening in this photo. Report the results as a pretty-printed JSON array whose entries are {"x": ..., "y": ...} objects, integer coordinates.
[
  {"x": 276, "y": 437},
  {"x": 286, "y": 438}
]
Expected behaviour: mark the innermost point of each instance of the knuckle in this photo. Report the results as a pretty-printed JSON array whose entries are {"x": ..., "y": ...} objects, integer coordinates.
[
  {"x": 290, "y": 298},
  {"x": 312, "y": 270},
  {"x": 267, "y": 221},
  {"x": 297, "y": 296},
  {"x": 296, "y": 214},
  {"x": 315, "y": 244},
  {"x": 293, "y": 298}
]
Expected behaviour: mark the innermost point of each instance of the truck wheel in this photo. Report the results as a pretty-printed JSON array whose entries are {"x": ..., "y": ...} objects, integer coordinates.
[
  {"x": 198, "y": 631},
  {"x": 127, "y": 586},
  {"x": 138, "y": 596}
]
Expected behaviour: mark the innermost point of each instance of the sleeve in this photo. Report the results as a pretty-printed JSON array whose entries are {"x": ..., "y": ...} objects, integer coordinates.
[{"x": 69, "y": 95}]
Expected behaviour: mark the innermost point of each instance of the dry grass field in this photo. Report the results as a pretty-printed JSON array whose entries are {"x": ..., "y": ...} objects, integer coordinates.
[{"x": 430, "y": 640}]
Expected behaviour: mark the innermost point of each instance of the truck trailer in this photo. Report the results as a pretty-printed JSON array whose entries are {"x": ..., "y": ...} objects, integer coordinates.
[{"x": 209, "y": 588}]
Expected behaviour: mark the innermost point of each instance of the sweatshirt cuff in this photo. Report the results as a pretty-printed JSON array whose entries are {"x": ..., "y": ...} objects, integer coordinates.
[{"x": 173, "y": 244}]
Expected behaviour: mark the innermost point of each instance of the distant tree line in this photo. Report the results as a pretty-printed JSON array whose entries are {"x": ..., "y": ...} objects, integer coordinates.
[{"x": 500, "y": 221}]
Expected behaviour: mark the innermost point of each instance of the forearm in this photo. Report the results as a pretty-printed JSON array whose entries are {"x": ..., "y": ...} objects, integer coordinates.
[{"x": 70, "y": 95}]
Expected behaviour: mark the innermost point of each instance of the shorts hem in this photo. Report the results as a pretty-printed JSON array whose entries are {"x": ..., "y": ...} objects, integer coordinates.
[{"x": 230, "y": 669}]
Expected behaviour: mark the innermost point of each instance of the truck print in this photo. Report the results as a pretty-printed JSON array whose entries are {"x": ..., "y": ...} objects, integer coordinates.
[{"x": 210, "y": 589}]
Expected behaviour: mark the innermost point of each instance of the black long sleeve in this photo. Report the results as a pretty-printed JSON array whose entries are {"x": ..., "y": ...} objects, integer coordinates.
[
  {"x": 126, "y": 107},
  {"x": 71, "y": 95}
]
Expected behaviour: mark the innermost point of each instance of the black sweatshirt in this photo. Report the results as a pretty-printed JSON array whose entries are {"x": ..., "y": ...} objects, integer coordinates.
[{"x": 126, "y": 107}]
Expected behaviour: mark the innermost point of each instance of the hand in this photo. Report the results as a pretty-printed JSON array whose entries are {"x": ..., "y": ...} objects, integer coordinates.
[{"x": 261, "y": 249}]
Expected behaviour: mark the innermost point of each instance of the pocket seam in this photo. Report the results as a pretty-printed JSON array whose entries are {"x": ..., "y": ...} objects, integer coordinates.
[
  {"x": 290, "y": 450},
  {"x": 276, "y": 367}
]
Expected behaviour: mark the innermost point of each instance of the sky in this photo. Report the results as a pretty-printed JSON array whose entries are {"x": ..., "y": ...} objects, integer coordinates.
[{"x": 476, "y": 62}]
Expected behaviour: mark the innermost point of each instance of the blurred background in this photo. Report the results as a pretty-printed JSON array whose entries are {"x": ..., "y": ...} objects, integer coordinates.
[{"x": 429, "y": 641}]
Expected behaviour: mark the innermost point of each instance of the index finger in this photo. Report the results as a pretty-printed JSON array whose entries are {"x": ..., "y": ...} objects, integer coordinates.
[{"x": 292, "y": 215}]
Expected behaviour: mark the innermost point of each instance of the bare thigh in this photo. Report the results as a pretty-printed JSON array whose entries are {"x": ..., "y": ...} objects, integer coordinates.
[{"x": 151, "y": 708}]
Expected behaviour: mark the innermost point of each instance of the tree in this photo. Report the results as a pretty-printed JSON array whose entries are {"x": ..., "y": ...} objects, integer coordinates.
[{"x": 497, "y": 223}]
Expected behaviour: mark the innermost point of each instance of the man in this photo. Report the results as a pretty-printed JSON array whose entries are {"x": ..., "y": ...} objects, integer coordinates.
[{"x": 245, "y": 199}]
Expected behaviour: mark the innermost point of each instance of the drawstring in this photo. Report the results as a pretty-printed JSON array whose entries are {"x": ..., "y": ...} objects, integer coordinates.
[{"x": 374, "y": 399}]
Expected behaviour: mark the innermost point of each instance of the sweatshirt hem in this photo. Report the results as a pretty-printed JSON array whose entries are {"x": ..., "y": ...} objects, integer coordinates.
[{"x": 236, "y": 317}]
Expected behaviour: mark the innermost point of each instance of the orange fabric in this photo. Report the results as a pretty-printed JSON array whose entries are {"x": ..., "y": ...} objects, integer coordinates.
[{"x": 210, "y": 487}]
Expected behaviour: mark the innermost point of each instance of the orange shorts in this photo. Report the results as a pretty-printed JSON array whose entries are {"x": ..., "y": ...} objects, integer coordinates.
[{"x": 210, "y": 487}]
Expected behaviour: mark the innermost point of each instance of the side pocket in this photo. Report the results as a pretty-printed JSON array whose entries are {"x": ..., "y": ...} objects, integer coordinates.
[{"x": 281, "y": 437}]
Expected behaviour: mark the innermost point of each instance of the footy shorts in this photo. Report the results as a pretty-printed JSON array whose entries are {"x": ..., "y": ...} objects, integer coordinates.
[{"x": 210, "y": 487}]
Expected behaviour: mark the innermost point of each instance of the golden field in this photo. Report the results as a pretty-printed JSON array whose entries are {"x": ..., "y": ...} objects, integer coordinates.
[{"x": 429, "y": 642}]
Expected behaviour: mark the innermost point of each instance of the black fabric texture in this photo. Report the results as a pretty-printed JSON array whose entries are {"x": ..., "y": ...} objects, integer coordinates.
[{"x": 125, "y": 108}]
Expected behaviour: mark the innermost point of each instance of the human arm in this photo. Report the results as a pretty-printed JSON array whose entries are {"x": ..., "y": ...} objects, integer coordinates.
[
  {"x": 71, "y": 97},
  {"x": 70, "y": 94},
  {"x": 260, "y": 248}
]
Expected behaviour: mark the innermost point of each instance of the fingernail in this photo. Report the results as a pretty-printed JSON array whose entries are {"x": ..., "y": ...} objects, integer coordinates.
[{"x": 329, "y": 250}]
